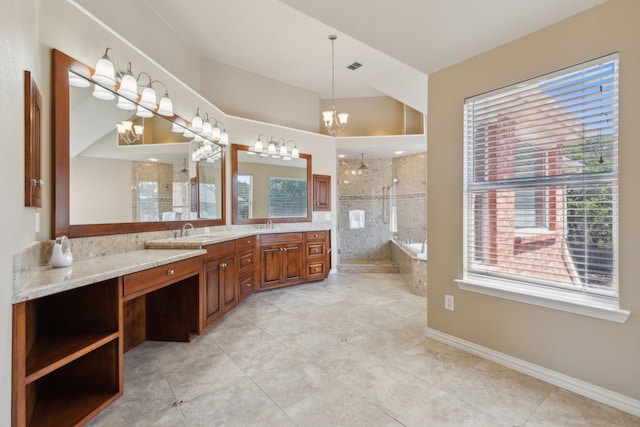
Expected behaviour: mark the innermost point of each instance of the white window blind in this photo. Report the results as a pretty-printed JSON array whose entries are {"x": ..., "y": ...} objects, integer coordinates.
[{"x": 541, "y": 181}]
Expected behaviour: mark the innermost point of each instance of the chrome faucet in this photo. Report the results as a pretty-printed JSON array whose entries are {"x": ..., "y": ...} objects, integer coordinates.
[
  {"x": 184, "y": 231},
  {"x": 269, "y": 223}
]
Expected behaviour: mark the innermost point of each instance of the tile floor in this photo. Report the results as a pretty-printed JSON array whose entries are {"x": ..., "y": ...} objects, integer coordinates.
[{"x": 349, "y": 351}]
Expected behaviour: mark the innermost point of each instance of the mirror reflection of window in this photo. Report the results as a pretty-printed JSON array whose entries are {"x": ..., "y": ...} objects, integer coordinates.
[
  {"x": 148, "y": 201},
  {"x": 180, "y": 200},
  {"x": 245, "y": 196},
  {"x": 207, "y": 199},
  {"x": 287, "y": 197}
]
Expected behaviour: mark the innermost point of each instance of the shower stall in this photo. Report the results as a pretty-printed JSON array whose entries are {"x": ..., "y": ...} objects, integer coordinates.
[{"x": 381, "y": 201}]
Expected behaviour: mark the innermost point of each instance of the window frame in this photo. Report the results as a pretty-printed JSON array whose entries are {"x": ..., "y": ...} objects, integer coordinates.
[{"x": 503, "y": 286}]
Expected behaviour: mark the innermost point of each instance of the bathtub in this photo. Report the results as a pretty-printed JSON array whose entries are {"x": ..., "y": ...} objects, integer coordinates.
[
  {"x": 416, "y": 250},
  {"x": 412, "y": 261}
]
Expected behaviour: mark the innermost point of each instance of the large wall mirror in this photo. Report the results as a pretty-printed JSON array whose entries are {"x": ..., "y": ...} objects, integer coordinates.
[
  {"x": 269, "y": 188},
  {"x": 109, "y": 182}
]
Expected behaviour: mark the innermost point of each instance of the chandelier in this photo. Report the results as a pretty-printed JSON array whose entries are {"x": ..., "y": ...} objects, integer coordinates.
[
  {"x": 129, "y": 132},
  {"x": 333, "y": 121}
]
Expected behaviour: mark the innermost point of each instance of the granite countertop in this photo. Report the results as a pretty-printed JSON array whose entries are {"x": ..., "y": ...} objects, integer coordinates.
[
  {"x": 196, "y": 241},
  {"x": 49, "y": 280}
]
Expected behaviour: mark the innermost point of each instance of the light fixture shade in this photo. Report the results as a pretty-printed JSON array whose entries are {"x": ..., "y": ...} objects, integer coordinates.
[
  {"x": 127, "y": 125},
  {"x": 148, "y": 98},
  {"x": 283, "y": 150},
  {"x": 196, "y": 123},
  {"x": 295, "y": 153},
  {"x": 125, "y": 104},
  {"x": 128, "y": 87},
  {"x": 166, "y": 106},
  {"x": 342, "y": 118},
  {"x": 143, "y": 112},
  {"x": 207, "y": 130},
  {"x": 77, "y": 81},
  {"x": 102, "y": 93},
  {"x": 104, "y": 72},
  {"x": 327, "y": 116},
  {"x": 177, "y": 126},
  {"x": 258, "y": 145},
  {"x": 120, "y": 128},
  {"x": 138, "y": 129},
  {"x": 272, "y": 148},
  {"x": 215, "y": 132},
  {"x": 224, "y": 137}
]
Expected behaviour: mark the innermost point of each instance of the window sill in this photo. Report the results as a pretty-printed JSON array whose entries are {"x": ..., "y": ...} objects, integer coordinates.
[{"x": 555, "y": 299}]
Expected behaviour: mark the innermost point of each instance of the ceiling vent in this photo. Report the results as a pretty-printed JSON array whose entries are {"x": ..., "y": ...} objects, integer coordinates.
[{"x": 354, "y": 66}]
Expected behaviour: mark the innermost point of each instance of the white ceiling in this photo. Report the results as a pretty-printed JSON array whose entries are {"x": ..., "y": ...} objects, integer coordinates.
[{"x": 399, "y": 42}]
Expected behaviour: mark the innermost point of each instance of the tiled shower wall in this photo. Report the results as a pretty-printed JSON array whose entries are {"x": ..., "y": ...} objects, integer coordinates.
[
  {"x": 363, "y": 190},
  {"x": 411, "y": 198},
  {"x": 369, "y": 190}
]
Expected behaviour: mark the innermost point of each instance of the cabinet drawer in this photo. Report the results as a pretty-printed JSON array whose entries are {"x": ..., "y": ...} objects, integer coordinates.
[
  {"x": 247, "y": 286},
  {"x": 280, "y": 238},
  {"x": 315, "y": 270},
  {"x": 246, "y": 243},
  {"x": 315, "y": 249},
  {"x": 315, "y": 235},
  {"x": 220, "y": 249},
  {"x": 246, "y": 261},
  {"x": 144, "y": 281}
]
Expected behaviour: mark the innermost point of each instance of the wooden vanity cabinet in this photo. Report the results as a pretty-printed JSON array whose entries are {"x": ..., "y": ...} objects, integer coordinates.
[
  {"x": 220, "y": 280},
  {"x": 162, "y": 303},
  {"x": 281, "y": 260},
  {"x": 247, "y": 267},
  {"x": 67, "y": 355},
  {"x": 317, "y": 254}
]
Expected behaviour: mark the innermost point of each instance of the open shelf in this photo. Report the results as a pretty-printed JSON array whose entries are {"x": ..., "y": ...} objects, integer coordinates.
[
  {"x": 76, "y": 391},
  {"x": 51, "y": 353}
]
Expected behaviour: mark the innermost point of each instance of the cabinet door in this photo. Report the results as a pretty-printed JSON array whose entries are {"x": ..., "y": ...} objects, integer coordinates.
[
  {"x": 213, "y": 307},
  {"x": 228, "y": 282},
  {"x": 321, "y": 192},
  {"x": 292, "y": 263},
  {"x": 271, "y": 267}
]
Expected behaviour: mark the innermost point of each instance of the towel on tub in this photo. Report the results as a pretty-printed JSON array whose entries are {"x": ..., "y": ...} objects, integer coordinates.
[{"x": 356, "y": 219}]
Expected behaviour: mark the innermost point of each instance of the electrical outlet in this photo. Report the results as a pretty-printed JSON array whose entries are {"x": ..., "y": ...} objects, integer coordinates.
[{"x": 448, "y": 302}]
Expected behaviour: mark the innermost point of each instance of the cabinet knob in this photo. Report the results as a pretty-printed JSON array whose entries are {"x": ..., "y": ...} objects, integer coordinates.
[{"x": 170, "y": 272}]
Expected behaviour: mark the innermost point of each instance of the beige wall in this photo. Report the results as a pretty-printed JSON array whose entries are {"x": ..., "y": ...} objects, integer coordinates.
[
  {"x": 19, "y": 35},
  {"x": 160, "y": 44},
  {"x": 600, "y": 352},
  {"x": 251, "y": 96},
  {"x": 374, "y": 116},
  {"x": 109, "y": 178}
]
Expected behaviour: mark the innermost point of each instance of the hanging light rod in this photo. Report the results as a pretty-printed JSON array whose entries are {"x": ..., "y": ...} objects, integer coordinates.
[
  {"x": 333, "y": 121},
  {"x": 108, "y": 75},
  {"x": 276, "y": 148}
]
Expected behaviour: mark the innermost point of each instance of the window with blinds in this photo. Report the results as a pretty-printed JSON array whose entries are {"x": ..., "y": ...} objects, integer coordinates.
[{"x": 541, "y": 181}]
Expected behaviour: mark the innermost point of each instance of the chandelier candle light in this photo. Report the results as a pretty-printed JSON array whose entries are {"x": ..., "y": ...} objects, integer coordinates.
[{"x": 332, "y": 120}]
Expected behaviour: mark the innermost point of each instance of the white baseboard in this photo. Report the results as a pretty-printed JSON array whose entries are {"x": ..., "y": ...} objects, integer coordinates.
[{"x": 597, "y": 393}]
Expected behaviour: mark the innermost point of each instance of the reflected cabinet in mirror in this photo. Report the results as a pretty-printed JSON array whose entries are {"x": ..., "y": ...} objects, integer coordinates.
[
  {"x": 116, "y": 172},
  {"x": 269, "y": 188}
]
